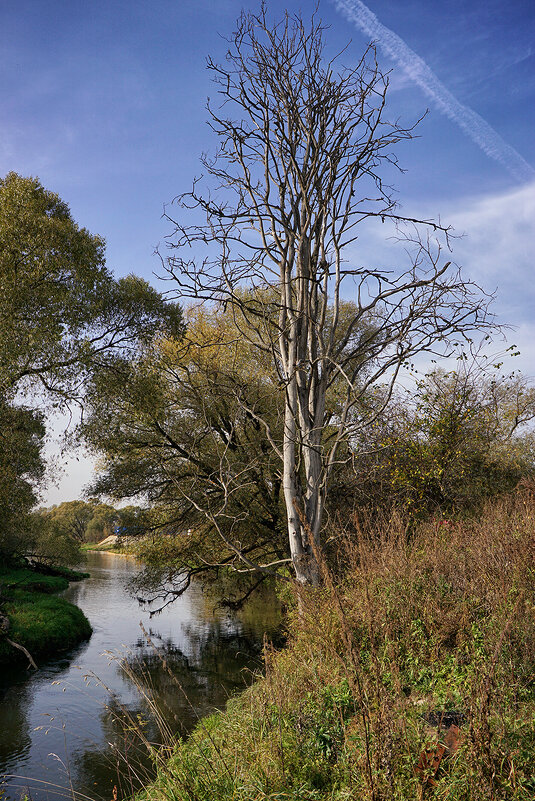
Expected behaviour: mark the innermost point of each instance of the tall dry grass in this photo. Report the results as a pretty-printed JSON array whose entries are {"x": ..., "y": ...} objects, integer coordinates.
[{"x": 406, "y": 636}]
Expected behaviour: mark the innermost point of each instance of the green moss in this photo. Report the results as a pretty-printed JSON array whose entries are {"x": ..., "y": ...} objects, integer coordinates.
[
  {"x": 41, "y": 622},
  {"x": 15, "y": 579},
  {"x": 69, "y": 573}
]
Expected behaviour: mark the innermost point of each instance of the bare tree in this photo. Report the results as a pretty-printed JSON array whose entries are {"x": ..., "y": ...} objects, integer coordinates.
[{"x": 302, "y": 148}]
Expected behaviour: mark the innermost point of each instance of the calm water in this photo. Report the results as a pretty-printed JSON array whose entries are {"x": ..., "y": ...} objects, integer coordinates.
[{"x": 56, "y": 724}]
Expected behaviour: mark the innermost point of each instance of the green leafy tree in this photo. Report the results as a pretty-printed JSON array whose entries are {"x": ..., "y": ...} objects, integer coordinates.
[
  {"x": 456, "y": 439},
  {"x": 22, "y": 433},
  {"x": 82, "y": 521},
  {"x": 180, "y": 429},
  {"x": 71, "y": 518},
  {"x": 62, "y": 315},
  {"x": 102, "y": 522},
  {"x": 24, "y": 534},
  {"x": 92, "y": 521},
  {"x": 48, "y": 544},
  {"x": 61, "y": 311}
]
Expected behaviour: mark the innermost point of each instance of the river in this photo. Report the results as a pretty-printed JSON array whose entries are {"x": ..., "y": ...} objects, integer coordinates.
[{"x": 56, "y": 724}]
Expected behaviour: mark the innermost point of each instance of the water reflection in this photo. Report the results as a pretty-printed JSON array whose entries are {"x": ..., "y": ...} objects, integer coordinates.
[
  {"x": 55, "y": 726},
  {"x": 13, "y": 719},
  {"x": 218, "y": 663}
]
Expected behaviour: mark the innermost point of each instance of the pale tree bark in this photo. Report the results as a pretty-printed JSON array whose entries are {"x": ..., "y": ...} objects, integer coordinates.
[{"x": 299, "y": 168}]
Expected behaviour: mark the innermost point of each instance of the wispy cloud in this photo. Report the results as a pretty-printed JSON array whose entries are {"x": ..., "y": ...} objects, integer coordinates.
[
  {"x": 418, "y": 71},
  {"x": 496, "y": 249}
]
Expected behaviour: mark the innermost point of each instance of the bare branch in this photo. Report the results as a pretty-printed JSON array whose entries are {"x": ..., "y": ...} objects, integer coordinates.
[{"x": 303, "y": 147}]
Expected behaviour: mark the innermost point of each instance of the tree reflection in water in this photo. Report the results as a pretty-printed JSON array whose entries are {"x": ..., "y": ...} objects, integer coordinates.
[
  {"x": 175, "y": 690},
  {"x": 208, "y": 656}
]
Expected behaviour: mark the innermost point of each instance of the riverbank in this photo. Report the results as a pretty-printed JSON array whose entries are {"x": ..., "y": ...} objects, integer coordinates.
[
  {"x": 409, "y": 675},
  {"x": 109, "y": 545},
  {"x": 43, "y": 624},
  {"x": 211, "y": 654}
]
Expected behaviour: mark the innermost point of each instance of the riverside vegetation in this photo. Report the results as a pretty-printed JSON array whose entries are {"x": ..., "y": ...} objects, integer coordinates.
[
  {"x": 61, "y": 312},
  {"x": 34, "y": 618},
  {"x": 404, "y": 637},
  {"x": 35, "y": 566}
]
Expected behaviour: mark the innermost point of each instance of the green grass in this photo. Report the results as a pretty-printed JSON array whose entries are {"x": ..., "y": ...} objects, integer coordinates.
[
  {"x": 113, "y": 548},
  {"x": 69, "y": 573},
  {"x": 54, "y": 580},
  {"x": 25, "y": 579},
  {"x": 42, "y": 623}
]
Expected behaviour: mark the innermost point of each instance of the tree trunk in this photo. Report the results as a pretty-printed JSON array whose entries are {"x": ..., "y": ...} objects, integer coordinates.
[{"x": 303, "y": 558}]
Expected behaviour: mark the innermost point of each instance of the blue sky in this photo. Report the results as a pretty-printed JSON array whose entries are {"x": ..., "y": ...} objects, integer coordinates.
[{"x": 105, "y": 103}]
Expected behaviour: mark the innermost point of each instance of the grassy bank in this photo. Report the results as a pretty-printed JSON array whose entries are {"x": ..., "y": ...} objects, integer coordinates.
[
  {"x": 39, "y": 621},
  {"x": 94, "y": 546},
  {"x": 109, "y": 548},
  {"x": 405, "y": 641}
]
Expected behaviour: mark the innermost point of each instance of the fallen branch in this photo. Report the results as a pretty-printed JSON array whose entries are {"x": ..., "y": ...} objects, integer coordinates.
[
  {"x": 24, "y": 651},
  {"x": 4, "y": 628}
]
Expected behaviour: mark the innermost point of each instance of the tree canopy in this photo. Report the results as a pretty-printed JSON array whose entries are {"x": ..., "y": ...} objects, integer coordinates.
[
  {"x": 62, "y": 316},
  {"x": 61, "y": 311},
  {"x": 455, "y": 439},
  {"x": 22, "y": 432},
  {"x": 179, "y": 429}
]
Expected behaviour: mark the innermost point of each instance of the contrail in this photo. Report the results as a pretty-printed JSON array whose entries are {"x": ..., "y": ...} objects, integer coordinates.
[{"x": 415, "y": 67}]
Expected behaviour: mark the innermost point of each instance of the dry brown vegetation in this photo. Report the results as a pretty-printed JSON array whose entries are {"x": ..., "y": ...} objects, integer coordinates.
[{"x": 407, "y": 636}]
